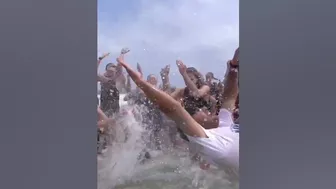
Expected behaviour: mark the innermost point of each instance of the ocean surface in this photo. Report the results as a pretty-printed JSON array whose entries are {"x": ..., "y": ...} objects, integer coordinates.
[{"x": 171, "y": 168}]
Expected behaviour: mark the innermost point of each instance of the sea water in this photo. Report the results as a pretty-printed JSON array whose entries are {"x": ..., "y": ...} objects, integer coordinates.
[{"x": 171, "y": 168}]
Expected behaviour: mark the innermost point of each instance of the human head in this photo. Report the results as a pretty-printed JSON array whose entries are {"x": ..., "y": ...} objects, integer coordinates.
[
  {"x": 204, "y": 118},
  {"x": 209, "y": 76},
  {"x": 111, "y": 68},
  {"x": 195, "y": 76},
  {"x": 151, "y": 78}
]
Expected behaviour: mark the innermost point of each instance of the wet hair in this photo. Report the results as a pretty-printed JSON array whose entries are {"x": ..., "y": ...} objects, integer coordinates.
[
  {"x": 200, "y": 79},
  {"x": 210, "y": 74},
  {"x": 150, "y": 75},
  {"x": 109, "y": 65}
]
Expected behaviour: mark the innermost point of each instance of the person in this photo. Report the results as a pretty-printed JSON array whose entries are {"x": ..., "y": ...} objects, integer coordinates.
[
  {"x": 112, "y": 81},
  {"x": 195, "y": 98},
  {"x": 109, "y": 94},
  {"x": 151, "y": 115},
  {"x": 164, "y": 73},
  {"x": 103, "y": 124},
  {"x": 218, "y": 146}
]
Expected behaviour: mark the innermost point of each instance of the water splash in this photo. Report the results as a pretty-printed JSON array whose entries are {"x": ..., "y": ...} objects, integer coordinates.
[{"x": 171, "y": 168}]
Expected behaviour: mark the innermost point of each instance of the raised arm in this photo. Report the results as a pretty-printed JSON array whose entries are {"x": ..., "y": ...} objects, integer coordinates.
[
  {"x": 101, "y": 58},
  {"x": 103, "y": 121},
  {"x": 213, "y": 104},
  {"x": 101, "y": 78},
  {"x": 198, "y": 93},
  {"x": 166, "y": 104},
  {"x": 177, "y": 94},
  {"x": 165, "y": 79},
  {"x": 231, "y": 83}
]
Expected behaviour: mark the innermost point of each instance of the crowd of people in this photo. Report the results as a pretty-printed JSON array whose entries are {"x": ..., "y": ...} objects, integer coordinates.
[{"x": 205, "y": 112}]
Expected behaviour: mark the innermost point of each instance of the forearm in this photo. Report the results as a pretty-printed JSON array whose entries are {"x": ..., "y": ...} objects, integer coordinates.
[
  {"x": 165, "y": 83},
  {"x": 231, "y": 85},
  {"x": 230, "y": 92},
  {"x": 119, "y": 69},
  {"x": 213, "y": 105},
  {"x": 190, "y": 85}
]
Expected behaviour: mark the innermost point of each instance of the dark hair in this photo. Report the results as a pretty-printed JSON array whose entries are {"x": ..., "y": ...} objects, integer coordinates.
[
  {"x": 200, "y": 80},
  {"x": 151, "y": 75},
  {"x": 209, "y": 74},
  {"x": 109, "y": 65}
]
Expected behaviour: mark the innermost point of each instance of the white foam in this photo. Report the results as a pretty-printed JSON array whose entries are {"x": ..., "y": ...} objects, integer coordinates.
[{"x": 120, "y": 168}]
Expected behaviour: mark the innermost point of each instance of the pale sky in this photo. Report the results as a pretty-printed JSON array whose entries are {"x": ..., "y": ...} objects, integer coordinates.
[{"x": 202, "y": 33}]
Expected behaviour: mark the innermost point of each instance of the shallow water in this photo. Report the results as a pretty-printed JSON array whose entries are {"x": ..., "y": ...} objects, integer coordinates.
[{"x": 171, "y": 168}]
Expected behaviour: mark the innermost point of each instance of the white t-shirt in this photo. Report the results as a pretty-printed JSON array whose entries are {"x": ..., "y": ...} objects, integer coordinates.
[{"x": 221, "y": 148}]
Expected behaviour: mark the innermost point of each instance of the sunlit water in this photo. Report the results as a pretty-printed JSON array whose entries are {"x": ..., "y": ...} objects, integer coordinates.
[{"x": 120, "y": 168}]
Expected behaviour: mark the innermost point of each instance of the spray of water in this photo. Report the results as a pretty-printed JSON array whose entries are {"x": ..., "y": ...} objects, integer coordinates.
[{"x": 120, "y": 167}]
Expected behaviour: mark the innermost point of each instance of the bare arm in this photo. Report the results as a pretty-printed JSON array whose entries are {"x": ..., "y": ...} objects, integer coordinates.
[
  {"x": 195, "y": 92},
  {"x": 103, "y": 120},
  {"x": 166, "y": 104},
  {"x": 231, "y": 84},
  {"x": 213, "y": 105},
  {"x": 177, "y": 94},
  {"x": 165, "y": 79},
  {"x": 119, "y": 69},
  {"x": 102, "y": 78}
]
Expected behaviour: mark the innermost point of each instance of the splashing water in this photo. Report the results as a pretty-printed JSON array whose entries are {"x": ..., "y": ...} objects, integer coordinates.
[{"x": 120, "y": 167}]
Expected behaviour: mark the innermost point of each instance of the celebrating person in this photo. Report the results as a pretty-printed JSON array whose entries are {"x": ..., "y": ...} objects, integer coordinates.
[{"x": 218, "y": 146}]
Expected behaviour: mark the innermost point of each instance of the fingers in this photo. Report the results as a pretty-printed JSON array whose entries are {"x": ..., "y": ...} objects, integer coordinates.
[
  {"x": 235, "y": 59},
  {"x": 125, "y": 50},
  {"x": 179, "y": 63}
]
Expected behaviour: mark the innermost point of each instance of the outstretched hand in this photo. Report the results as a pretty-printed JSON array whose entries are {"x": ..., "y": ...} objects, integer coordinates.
[
  {"x": 235, "y": 59},
  {"x": 133, "y": 74},
  {"x": 104, "y": 56},
  {"x": 165, "y": 71},
  {"x": 121, "y": 59},
  {"x": 125, "y": 50},
  {"x": 182, "y": 68}
]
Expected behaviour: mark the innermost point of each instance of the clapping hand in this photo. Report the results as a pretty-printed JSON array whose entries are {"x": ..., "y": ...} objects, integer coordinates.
[{"x": 182, "y": 68}]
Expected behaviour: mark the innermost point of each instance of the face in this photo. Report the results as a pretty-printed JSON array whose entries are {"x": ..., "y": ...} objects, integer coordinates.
[
  {"x": 204, "y": 118},
  {"x": 193, "y": 78},
  {"x": 111, "y": 69},
  {"x": 152, "y": 80}
]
